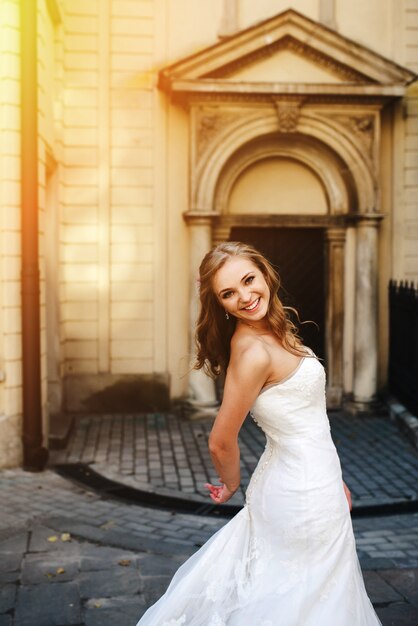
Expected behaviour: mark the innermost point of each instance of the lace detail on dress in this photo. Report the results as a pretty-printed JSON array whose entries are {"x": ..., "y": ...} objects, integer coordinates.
[
  {"x": 327, "y": 589},
  {"x": 216, "y": 620},
  {"x": 293, "y": 569},
  {"x": 239, "y": 567},
  {"x": 175, "y": 622},
  {"x": 260, "y": 469}
]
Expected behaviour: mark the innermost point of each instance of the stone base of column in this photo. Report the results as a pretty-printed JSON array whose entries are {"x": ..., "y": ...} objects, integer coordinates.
[
  {"x": 363, "y": 406},
  {"x": 202, "y": 400},
  {"x": 197, "y": 411},
  {"x": 334, "y": 397}
]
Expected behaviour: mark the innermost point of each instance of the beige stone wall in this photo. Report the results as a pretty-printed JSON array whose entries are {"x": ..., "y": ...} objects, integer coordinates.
[
  {"x": 108, "y": 222},
  {"x": 10, "y": 332},
  {"x": 370, "y": 23},
  {"x": 79, "y": 230},
  {"x": 132, "y": 218}
]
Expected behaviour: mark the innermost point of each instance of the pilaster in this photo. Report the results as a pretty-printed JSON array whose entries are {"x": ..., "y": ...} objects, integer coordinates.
[
  {"x": 366, "y": 312},
  {"x": 201, "y": 391},
  {"x": 335, "y": 238}
]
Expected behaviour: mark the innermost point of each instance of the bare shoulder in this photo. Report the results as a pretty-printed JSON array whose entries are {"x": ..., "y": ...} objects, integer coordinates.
[{"x": 246, "y": 348}]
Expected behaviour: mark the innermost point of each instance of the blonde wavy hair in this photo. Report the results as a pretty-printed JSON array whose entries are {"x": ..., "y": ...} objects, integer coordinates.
[{"x": 214, "y": 331}]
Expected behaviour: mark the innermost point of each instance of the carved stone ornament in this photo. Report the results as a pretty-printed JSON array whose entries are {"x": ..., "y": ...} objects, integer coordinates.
[
  {"x": 209, "y": 123},
  {"x": 288, "y": 114},
  {"x": 362, "y": 126}
]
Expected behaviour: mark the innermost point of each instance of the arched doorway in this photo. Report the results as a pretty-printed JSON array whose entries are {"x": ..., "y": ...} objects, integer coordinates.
[
  {"x": 298, "y": 255},
  {"x": 279, "y": 185},
  {"x": 291, "y": 196}
]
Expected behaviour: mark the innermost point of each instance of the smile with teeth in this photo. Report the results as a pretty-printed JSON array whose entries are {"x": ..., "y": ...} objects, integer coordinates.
[{"x": 252, "y": 306}]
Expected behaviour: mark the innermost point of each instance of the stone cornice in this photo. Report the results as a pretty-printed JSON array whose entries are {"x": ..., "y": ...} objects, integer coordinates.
[
  {"x": 199, "y": 98},
  {"x": 241, "y": 90}
]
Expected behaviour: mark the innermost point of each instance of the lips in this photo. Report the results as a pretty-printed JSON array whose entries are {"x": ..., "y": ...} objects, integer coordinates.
[{"x": 253, "y": 306}]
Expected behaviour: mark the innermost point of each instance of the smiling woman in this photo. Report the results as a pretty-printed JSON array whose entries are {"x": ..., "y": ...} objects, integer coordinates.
[
  {"x": 289, "y": 556},
  {"x": 237, "y": 284},
  {"x": 248, "y": 293}
]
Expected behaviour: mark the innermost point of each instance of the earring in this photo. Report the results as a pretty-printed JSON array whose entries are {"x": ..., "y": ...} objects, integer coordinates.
[{"x": 226, "y": 315}]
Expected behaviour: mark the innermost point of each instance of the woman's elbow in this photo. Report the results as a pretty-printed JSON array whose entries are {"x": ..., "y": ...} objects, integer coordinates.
[{"x": 218, "y": 447}]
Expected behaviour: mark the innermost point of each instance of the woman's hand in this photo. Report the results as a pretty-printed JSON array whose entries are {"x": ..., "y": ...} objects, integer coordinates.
[
  {"x": 348, "y": 495},
  {"x": 219, "y": 493}
]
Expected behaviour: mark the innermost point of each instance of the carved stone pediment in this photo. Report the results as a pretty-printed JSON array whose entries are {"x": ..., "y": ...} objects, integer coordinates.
[{"x": 286, "y": 54}]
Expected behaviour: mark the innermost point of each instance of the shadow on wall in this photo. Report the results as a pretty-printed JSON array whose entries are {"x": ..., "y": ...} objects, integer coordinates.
[{"x": 117, "y": 394}]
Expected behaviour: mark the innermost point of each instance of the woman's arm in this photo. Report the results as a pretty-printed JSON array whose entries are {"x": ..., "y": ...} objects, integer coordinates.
[
  {"x": 247, "y": 372},
  {"x": 348, "y": 496}
]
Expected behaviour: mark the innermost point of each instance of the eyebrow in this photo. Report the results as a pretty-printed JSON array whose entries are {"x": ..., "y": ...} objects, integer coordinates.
[{"x": 230, "y": 288}]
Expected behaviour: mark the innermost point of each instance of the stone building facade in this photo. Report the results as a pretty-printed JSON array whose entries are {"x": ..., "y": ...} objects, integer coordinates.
[{"x": 165, "y": 126}]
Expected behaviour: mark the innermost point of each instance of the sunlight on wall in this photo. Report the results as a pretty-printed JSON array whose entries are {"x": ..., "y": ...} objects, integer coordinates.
[{"x": 280, "y": 186}]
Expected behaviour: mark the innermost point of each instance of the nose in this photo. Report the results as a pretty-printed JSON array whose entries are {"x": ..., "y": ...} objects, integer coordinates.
[{"x": 245, "y": 295}]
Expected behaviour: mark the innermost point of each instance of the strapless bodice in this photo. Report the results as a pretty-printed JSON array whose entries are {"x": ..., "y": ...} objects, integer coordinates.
[{"x": 295, "y": 407}]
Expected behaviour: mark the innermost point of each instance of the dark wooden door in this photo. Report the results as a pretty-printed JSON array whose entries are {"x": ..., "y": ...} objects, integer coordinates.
[{"x": 298, "y": 256}]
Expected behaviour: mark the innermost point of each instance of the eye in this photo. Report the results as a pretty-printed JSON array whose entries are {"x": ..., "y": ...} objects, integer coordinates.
[
  {"x": 249, "y": 280},
  {"x": 226, "y": 295}
]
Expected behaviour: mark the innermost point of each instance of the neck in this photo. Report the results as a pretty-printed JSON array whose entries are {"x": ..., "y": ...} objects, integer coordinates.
[{"x": 262, "y": 326}]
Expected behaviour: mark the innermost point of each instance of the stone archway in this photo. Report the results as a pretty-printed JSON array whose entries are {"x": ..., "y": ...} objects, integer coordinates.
[
  {"x": 238, "y": 96},
  {"x": 341, "y": 199},
  {"x": 328, "y": 147}
]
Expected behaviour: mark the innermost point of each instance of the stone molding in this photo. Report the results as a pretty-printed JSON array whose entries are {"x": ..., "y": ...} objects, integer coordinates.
[
  {"x": 210, "y": 121},
  {"x": 361, "y": 70},
  {"x": 306, "y": 51},
  {"x": 232, "y": 145},
  {"x": 239, "y": 91},
  {"x": 199, "y": 217},
  {"x": 364, "y": 125},
  {"x": 297, "y": 148},
  {"x": 288, "y": 114}
]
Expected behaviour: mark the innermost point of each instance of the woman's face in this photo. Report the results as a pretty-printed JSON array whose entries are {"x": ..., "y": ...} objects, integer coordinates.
[{"x": 241, "y": 290}]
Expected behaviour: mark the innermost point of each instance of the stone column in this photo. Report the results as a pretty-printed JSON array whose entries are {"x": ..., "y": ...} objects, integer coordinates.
[
  {"x": 327, "y": 13},
  {"x": 201, "y": 392},
  {"x": 335, "y": 315},
  {"x": 229, "y": 19},
  {"x": 366, "y": 312}
]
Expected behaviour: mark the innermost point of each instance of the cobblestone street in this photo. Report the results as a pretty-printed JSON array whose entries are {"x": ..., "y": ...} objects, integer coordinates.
[
  {"x": 71, "y": 555},
  {"x": 68, "y": 557},
  {"x": 163, "y": 453}
]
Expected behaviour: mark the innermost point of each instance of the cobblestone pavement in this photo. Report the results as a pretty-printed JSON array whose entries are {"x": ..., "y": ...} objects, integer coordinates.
[
  {"x": 164, "y": 453},
  {"x": 69, "y": 557}
]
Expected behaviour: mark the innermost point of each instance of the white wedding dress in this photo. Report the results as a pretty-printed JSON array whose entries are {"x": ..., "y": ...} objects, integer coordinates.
[{"x": 288, "y": 558}]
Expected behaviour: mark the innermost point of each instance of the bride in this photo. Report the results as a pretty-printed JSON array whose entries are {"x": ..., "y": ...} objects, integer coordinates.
[{"x": 288, "y": 558}]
